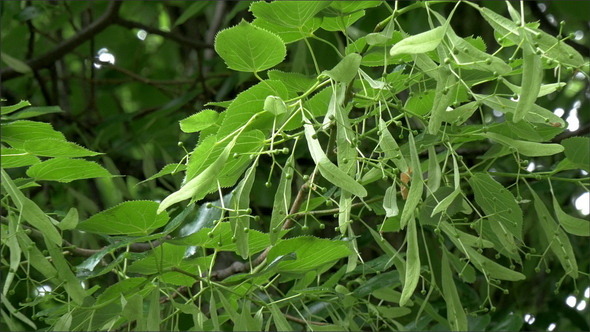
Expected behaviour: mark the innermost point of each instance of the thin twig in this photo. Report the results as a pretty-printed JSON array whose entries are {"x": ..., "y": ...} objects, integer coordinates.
[
  {"x": 303, "y": 321},
  {"x": 47, "y": 59},
  {"x": 168, "y": 35}
]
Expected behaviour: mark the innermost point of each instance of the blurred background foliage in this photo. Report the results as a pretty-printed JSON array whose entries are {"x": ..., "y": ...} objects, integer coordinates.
[{"x": 125, "y": 73}]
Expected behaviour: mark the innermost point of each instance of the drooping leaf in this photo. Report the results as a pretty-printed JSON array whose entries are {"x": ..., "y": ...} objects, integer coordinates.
[
  {"x": 328, "y": 170},
  {"x": 413, "y": 262},
  {"x": 199, "y": 186},
  {"x": 282, "y": 200},
  {"x": 391, "y": 148},
  {"x": 247, "y": 48},
  {"x": 536, "y": 113},
  {"x": 455, "y": 313},
  {"x": 532, "y": 78},
  {"x": 531, "y": 149},
  {"x": 420, "y": 43},
  {"x": 132, "y": 218},
  {"x": 558, "y": 240},
  {"x": 275, "y": 105},
  {"x": 30, "y": 211},
  {"x": 498, "y": 203},
  {"x": 168, "y": 169},
  {"x": 390, "y": 202},
  {"x": 571, "y": 224},
  {"x": 239, "y": 217},
  {"x": 416, "y": 186}
]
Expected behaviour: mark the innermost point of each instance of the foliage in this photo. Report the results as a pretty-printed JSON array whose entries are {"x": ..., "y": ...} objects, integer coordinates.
[{"x": 385, "y": 186}]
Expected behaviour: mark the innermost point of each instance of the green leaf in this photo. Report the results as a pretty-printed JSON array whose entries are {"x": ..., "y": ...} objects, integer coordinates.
[
  {"x": 14, "y": 63},
  {"x": 455, "y": 313},
  {"x": 192, "y": 10},
  {"x": 17, "y": 132},
  {"x": 199, "y": 121},
  {"x": 536, "y": 113},
  {"x": 295, "y": 82},
  {"x": 464, "y": 238},
  {"x": 311, "y": 253},
  {"x": 37, "y": 259},
  {"x": 250, "y": 103},
  {"x": 51, "y": 147},
  {"x": 532, "y": 78},
  {"x": 340, "y": 179},
  {"x": 275, "y": 105},
  {"x": 12, "y": 158},
  {"x": 505, "y": 27},
  {"x": 346, "y": 70},
  {"x": 488, "y": 266},
  {"x": 279, "y": 319},
  {"x": 123, "y": 287},
  {"x": 445, "y": 95},
  {"x": 13, "y": 108},
  {"x": 390, "y": 202},
  {"x": 460, "y": 114},
  {"x": 391, "y": 148},
  {"x": 416, "y": 185},
  {"x": 31, "y": 112},
  {"x": 71, "y": 284},
  {"x": 290, "y": 14},
  {"x": 328, "y": 170},
  {"x": 420, "y": 43},
  {"x": 199, "y": 186},
  {"x": 289, "y": 35},
  {"x": 572, "y": 225},
  {"x": 133, "y": 218},
  {"x": 420, "y": 103},
  {"x": 577, "y": 150},
  {"x": 341, "y": 23},
  {"x": 248, "y": 48},
  {"x": 531, "y": 149},
  {"x": 282, "y": 201},
  {"x": 67, "y": 170},
  {"x": 168, "y": 169},
  {"x": 30, "y": 211},
  {"x": 498, "y": 203},
  {"x": 558, "y": 240},
  {"x": 220, "y": 238},
  {"x": 557, "y": 50},
  {"x": 239, "y": 219},
  {"x": 70, "y": 221},
  {"x": 470, "y": 57},
  {"x": 413, "y": 263},
  {"x": 376, "y": 285},
  {"x": 15, "y": 250}
]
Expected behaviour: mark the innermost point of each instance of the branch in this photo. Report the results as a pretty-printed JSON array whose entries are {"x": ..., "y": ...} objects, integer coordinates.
[
  {"x": 169, "y": 35},
  {"x": 584, "y": 130},
  {"x": 47, "y": 59}
]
